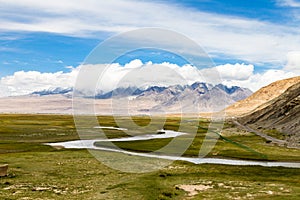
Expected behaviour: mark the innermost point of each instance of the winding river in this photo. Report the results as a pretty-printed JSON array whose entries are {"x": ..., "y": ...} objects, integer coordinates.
[{"x": 90, "y": 144}]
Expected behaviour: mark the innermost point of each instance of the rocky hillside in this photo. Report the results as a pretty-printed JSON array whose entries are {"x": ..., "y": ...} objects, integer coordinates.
[
  {"x": 281, "y": 113},
  {"x": 260, "y": 99},
  {"x": 198, "y": 97}
]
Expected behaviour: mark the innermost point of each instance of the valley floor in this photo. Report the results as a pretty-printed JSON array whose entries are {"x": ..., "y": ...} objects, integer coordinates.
[{"x": 37, "y": 171}]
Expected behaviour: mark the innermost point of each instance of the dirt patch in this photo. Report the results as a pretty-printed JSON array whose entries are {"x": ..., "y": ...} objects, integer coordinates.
[{"x": 193, "y": 190}]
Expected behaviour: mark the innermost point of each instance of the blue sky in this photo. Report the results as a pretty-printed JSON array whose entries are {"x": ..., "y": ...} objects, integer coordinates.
[
  {"x": 266, "y": 10},
  {"x": 50, "y": 36},
  {"x": 43, "y": 52}
]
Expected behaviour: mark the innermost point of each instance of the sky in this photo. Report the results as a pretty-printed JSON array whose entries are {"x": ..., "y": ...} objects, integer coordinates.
[{"x": 44, "y": 43}]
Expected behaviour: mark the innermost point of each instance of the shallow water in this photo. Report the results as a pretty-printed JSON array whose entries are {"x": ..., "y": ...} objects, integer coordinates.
[
  {"x": 111, "y": 127},
  {"x": 90, "y": 144}
]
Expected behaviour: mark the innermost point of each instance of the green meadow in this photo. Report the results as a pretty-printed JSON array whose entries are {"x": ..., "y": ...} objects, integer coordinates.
[{"x": 37, "y": 171}]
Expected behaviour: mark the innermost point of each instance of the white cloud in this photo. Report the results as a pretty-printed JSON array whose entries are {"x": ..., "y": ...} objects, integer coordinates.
[
  {"x": 246, "y": 39},
  {"x": 258, "y": 80},
  {"x": 137, "y": 74},
  {"x": 293, "y": 62},
  {"x": 22, "y": 83},
  {"x": 236, "y": 71}
]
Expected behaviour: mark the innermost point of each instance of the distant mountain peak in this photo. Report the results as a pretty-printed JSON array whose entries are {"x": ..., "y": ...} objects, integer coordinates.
[
  {"x": 227, "y": 89},
  {"x": 53, "y": 91},
  {"x": 200, "y": 84},
  {"x": 120, "y": 92}
]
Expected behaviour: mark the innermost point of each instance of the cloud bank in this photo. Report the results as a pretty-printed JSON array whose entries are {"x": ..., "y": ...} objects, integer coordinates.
[
  {"x": 141, "y": 74},
  {"x": 22, "y": 83}
]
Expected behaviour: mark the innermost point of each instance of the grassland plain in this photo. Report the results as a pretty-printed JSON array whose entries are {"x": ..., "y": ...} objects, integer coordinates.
[{"x": 37, "y": 171}]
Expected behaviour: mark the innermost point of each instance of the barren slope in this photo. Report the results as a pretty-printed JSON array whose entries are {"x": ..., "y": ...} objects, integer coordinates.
[
  {"x": 260, "y": 99},
  {"x": 281, "y": 113}
]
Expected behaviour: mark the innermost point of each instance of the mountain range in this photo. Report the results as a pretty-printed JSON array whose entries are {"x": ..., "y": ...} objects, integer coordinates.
[
  {"x": 194, "y": 98},
  {"x": 202, "y": 96},
  {"x": 52, "y": 91},
  {"x": 189, "y": 98}
]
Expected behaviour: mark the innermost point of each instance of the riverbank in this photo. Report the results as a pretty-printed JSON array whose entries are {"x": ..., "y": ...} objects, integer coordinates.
[{"x": 91, "y": 145}]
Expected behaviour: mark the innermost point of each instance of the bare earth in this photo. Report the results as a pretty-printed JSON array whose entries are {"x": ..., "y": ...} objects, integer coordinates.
[
  {"x": 193, "y": 190},
  {"x": 260, "y": 98},
  {"x": 59, "y": 104}
]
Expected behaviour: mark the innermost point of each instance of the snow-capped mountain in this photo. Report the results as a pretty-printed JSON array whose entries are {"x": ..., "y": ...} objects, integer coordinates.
[
  {"x": 197, "y": 97},
  {"x": 202, "y": 96},
  {"x": 53, "y": 91}
]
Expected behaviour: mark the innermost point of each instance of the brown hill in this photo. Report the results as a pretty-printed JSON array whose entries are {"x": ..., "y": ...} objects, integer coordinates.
[
  {"x": 281, "y": 113},
  {"x": 260, "y": 99}
]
